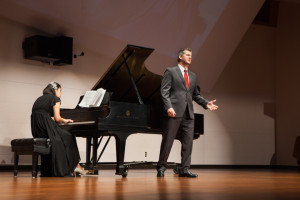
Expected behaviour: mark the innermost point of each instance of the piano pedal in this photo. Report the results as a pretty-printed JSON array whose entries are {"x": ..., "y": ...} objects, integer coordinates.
[{"x": 92, "y": 172}]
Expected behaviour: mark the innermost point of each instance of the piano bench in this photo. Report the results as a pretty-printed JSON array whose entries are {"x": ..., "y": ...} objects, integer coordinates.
[{"x": 30, "y": 146}]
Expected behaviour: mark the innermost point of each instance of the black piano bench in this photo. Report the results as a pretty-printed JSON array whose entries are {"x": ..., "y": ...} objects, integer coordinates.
[{"x": 30, "y": 146}]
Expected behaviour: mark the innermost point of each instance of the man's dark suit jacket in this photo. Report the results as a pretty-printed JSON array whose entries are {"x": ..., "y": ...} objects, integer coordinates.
[{"x": 176, "y": 96}]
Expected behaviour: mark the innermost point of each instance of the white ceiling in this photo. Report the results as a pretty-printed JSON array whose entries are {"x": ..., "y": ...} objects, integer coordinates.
[{"x": 212, "y": 28}]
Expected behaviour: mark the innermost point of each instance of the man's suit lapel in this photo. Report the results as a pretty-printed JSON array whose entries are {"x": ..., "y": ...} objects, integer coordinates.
[
  {"x": 180, "y": 75},
  {"x": 191, "y": 79}
]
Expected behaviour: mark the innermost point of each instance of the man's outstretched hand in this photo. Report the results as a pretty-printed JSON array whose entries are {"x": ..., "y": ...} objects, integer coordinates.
[{"x": 211, "y": 106}]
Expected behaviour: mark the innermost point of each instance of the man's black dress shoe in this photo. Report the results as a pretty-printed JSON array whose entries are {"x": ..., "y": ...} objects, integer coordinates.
[
  {"x": 160, "y": 173},
  {"x": 188, "y": 174}
]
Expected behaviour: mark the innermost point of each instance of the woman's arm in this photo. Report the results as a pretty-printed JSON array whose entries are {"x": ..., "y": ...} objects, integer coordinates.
[{"x": 57, "y": 117}]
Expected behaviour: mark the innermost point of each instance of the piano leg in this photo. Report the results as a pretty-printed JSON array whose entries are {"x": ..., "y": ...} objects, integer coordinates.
[
  {"x": 95, "y": 147},
  {"x": 88, "y": 152},
  {"x": 91, "y": 166},
  {"x": 121, "y": 169}
]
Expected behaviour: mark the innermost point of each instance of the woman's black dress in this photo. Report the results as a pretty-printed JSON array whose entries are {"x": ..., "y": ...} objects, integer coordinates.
[{"x": 64, "y": 151}]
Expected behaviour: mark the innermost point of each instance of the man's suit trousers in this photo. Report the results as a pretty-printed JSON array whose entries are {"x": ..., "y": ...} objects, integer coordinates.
[{"x": 173, "y": 126}]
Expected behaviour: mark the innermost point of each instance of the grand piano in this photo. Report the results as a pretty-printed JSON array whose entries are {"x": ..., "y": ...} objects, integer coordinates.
[{"x": 132, "y": 104}]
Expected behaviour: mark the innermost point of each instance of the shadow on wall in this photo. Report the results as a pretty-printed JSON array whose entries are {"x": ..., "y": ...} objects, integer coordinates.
[
  {"x": 296, "y": 152},
  {"x": 7, "y": 157},
  {"x": 273, "y": 159},
  {"x": 270, "y": 110}
]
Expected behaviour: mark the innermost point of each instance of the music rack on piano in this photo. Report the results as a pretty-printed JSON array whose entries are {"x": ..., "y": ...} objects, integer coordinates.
[{"x": 132, "y": 104}]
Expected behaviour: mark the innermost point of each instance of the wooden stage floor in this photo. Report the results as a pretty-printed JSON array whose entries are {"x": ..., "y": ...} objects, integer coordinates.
[{"x": 212, "y": 184}]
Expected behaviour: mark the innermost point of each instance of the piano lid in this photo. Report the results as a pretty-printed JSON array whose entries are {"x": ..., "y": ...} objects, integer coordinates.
[{"x": 128, "y": 77}]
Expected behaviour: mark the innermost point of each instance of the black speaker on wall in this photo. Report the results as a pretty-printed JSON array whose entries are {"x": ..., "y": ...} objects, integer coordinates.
[
  {"x": 56, "y": 50},
  {"x": 63, "y": 50}
]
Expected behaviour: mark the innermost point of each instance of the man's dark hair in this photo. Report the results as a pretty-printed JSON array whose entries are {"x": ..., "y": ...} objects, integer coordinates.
[
  {"x": 181, "y": 52},
  {"x": 51, "y": 87}
]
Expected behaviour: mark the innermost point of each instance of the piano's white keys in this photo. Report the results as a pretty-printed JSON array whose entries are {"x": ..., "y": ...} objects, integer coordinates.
[{"x": 79, "y": 123}]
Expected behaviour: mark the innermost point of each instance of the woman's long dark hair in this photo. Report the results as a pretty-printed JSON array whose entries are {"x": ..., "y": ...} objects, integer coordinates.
[{"x": 51, "y": 87}]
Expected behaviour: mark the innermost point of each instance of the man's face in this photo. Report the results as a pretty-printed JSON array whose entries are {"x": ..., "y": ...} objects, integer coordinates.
[{"x": 186, "y": 58}]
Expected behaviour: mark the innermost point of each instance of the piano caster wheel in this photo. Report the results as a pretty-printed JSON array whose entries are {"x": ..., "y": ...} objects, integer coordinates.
[{"x": 124, "y": 175}]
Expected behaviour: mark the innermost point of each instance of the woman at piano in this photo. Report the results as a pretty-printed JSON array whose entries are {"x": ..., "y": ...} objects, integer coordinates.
[{"x": 64, "y": 159}]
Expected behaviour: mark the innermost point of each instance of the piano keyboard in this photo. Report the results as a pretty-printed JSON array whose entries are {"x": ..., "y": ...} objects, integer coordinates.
[{"x": 79, "y": 123}]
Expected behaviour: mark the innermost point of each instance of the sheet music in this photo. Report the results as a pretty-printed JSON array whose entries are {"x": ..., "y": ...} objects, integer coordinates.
[
  {"x": 98, "y": 97},
  {"x": 92, "y": 98}
]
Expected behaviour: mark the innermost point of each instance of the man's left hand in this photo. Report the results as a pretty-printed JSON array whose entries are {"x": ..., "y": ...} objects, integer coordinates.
[{"x": 211, "y": 106}]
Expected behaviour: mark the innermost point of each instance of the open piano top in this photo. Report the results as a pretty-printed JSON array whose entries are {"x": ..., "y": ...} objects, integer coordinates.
[
  {"x": 129, "y": 67},
  {"x": 127, "y": 80}
]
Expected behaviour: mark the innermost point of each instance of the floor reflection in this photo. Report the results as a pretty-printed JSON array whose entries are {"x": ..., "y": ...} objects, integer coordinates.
[{"x": 144, "y": 185}]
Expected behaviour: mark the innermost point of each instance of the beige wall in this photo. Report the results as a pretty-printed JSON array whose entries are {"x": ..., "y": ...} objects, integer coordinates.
[
  {"x": 238, "y": 133},
  {"x": 287, "y": 82}
]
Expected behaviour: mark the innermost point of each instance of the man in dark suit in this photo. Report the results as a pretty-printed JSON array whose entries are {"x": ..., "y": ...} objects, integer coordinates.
[{"x": 178, "y": 90}]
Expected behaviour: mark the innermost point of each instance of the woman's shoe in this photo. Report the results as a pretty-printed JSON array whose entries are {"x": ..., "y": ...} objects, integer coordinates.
[{"x": 80, "y": 171}]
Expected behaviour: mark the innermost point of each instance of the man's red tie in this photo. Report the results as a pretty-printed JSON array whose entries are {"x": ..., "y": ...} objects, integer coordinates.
[{"x": 186, "y": 79}]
